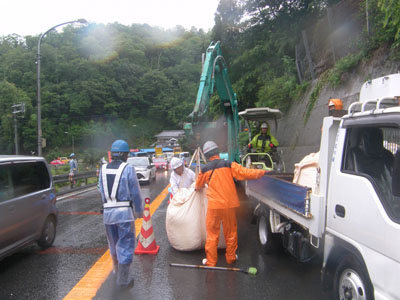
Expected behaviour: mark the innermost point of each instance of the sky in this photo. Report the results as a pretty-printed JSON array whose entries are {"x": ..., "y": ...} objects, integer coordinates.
[{"x": 32, "y": 17}]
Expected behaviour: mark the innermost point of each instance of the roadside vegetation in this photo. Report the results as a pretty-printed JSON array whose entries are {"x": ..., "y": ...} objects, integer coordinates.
[{"x": 104, "y": 82}]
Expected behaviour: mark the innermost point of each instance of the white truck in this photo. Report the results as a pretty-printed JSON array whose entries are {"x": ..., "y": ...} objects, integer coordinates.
[{"x": 351, "y": 216}]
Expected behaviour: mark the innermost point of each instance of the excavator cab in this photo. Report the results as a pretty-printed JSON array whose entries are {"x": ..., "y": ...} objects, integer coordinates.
[{"x": 270, "y": 160}]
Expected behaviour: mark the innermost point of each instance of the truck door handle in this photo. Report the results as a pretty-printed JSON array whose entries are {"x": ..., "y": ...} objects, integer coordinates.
[{"x": 340, "y": 211}]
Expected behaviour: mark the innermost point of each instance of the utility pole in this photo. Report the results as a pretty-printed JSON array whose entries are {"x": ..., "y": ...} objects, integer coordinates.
[{"x": 17, "y": 108}]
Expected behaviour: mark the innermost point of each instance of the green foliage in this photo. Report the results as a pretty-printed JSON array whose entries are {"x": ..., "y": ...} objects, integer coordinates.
[
  {"x": 391, "y": 21},
  {"x": 54, "y": 153},
  {"x": 322, "y": 81},
  {"x": 10, "y": 95},
  {"x": 344, "y": 65},
  {"x": 278, "y": 93},
  {"x": 243, "y": 139},
  {"x": 91, "y": 157},
  {"x": 104, "y": 82},
  {"x": 97, "y": 82}
]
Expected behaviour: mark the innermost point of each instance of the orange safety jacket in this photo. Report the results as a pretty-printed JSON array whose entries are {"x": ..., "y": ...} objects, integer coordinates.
[{"x": 218, "y": 174}]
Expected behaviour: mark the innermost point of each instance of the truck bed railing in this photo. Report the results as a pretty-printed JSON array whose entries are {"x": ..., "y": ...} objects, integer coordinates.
[{"x": 378, "y": 104}]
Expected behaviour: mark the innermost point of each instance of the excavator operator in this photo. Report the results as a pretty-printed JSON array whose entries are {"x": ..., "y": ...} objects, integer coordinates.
[{"x": 264, "y": 142}]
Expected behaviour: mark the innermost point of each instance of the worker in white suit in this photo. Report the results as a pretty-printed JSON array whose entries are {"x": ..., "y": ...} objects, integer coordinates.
[{"x": 181, "y": 177}]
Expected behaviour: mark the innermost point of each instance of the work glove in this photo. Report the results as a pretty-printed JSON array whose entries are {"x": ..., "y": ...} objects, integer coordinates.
[{"x": 249, "y": 147}]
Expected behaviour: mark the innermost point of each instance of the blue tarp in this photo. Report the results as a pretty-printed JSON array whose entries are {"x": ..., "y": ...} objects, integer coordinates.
[
  {"x": 151, "y": 150},
  {"x": 284, "y": 192}
]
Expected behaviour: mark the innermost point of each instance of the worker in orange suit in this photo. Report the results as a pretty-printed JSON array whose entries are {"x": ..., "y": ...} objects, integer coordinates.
[{"x": 222, "y": 197}]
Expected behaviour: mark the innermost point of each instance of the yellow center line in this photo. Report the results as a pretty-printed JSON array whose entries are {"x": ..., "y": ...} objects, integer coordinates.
[{"x": 88, "y": 286}]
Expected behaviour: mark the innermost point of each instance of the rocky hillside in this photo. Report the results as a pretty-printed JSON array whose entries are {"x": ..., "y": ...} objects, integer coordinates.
[{"x": 298, "y": 137}]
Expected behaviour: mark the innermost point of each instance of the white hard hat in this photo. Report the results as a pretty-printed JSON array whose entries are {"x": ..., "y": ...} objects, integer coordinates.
[
  {"x": 176, "y": 163},
  {"x": 209, "y": 146},
  {"x": 264, "y": 125}
]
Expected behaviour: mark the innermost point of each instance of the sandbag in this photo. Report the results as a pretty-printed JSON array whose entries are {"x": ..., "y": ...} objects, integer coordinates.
[
  {"x": 306, "y": 171},
  {"x": 186, "y": 220}
]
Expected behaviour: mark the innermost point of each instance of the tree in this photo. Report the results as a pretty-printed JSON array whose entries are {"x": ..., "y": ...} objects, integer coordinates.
[{"x": 10, "y": 95}]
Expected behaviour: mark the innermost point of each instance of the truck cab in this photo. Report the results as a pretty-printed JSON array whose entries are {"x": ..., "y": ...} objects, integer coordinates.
[
  {"x": 362, "y": 234},
  {"x": 351, "y": 214}
]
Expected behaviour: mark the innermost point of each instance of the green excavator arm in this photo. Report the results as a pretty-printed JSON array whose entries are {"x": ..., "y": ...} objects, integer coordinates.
[{"x": 214, "y": 75}]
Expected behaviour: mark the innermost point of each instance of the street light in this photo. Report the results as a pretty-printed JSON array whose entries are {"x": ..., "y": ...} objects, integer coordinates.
[
  {"x": 39, "y": 112},
  {"x": 73, "y": 148}
]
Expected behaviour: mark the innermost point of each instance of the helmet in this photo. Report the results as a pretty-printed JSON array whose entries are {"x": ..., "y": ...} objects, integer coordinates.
[
  {"x": 209, "y": 146},
  {"x": 120, "y": 146},
  {"x": 176, "y": 163},
  {"x": 264, "y": 125},
  {"x": 72, "y": 155}
]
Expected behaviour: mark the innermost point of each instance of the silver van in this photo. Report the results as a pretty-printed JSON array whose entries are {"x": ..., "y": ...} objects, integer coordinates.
[{"x": 28, "y": 210}]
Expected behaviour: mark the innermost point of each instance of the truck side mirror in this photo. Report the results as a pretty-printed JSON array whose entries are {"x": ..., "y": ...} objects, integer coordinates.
[{"x": 396, "y": 175}]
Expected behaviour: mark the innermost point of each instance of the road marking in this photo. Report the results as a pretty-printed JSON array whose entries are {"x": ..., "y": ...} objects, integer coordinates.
[
  {"x": 88, "y": 286},
  {"x": 69, "y": 250},
  {"x": 69, "y": 195}
]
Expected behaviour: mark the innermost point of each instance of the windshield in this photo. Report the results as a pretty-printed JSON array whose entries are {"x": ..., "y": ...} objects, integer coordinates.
[
  {"x": 138, "y": 161},
  {"x": 159, "y": 160}
]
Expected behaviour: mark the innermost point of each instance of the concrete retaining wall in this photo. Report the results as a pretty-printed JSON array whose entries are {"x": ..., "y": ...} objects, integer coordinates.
[{"x": 298, "y": 138}]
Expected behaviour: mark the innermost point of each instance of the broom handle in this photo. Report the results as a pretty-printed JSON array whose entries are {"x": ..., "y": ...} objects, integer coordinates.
[{"x": 207, "y": 267}]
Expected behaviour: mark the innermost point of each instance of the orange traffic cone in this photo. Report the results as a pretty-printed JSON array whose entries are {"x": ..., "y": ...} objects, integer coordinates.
[{"x": 147, "y": 242}]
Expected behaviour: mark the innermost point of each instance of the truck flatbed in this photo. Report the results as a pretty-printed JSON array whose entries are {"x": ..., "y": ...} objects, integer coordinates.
[{"x": 279, "y": 188}]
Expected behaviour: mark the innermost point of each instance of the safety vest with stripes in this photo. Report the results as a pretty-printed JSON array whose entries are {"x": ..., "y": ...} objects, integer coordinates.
[{"x": 111, "y": 200}]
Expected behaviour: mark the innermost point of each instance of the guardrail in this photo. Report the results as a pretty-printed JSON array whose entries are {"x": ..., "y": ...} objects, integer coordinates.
[{"x": 65, "y": 178}]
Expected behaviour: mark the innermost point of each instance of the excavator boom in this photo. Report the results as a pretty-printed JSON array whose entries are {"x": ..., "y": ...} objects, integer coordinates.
[{"x": 214, "y": 75}]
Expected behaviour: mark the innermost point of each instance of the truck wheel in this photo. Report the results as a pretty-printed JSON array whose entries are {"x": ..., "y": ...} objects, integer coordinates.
[
  {"x": 265, "y": 234},
  {"x": 351, "y": 281},
  {"x": 48, "y": 233}
]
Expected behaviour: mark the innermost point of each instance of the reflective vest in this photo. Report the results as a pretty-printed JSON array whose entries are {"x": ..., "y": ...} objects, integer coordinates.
[
  {"x": 111, "y": 199},
  {"x": 265, "y": 141}
]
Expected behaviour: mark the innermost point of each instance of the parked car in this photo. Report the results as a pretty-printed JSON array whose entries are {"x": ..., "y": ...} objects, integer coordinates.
[
  {"x": 139, "y": 154},
  {"x": 169, "y": 156},
  {"x": 185, "y": 156},
  {"x": 64, "y": 159},
  {"x": 56, "y": 162},
  {"x": 145, "y": 169},
  {"x": 28, "y": 210},
  {"x": 161, "y": 163}
]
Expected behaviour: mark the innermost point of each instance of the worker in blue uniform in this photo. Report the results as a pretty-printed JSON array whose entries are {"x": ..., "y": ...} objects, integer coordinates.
[
  {"x": 122, "y": 203},
  {"x": 73, "y": 169}
]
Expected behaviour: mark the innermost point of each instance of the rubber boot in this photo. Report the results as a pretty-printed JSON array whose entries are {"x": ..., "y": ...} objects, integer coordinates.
[
  {"x": 124, "y": 280},
  {"x": 115, "y": 264}
]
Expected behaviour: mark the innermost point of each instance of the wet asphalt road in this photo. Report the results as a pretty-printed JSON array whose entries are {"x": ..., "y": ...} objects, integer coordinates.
[{"x": 80, "y": 242}]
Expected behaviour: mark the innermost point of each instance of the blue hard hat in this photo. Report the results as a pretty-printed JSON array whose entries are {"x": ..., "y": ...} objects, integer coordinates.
[
  {"x": 120, "y": 146},
  {"x": 72, "y": 154}
]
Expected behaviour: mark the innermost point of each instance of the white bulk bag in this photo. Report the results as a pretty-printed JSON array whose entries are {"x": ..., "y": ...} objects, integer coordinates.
[
  {"x": 306, "y": 171},
  {"x": 186, "y": 220}
]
